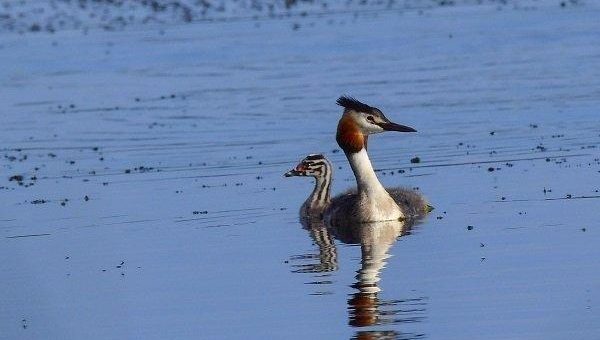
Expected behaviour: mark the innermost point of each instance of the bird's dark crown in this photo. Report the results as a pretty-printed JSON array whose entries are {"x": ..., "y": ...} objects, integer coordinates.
[
  {"x": 350, "y": 103},
  {"x": 314, "y": 157}
]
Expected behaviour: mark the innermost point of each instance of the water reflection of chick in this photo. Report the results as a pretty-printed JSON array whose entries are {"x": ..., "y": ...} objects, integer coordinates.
[
  {"x": 364, "y": 306},
  {"x": 318, "y": 167}
]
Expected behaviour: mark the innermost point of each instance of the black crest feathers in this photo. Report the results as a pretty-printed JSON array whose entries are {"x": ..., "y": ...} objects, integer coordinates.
[{"x": 350, "y": 103}]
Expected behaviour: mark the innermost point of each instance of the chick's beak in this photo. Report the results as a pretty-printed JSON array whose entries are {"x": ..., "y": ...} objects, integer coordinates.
[
  {"x": 291, "y": 173},
  {"x": 297, "y": 171}
]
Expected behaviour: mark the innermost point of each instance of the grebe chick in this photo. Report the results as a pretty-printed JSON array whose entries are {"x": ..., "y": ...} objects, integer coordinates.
[
  {"x": 371, "y": 203},
  {"x": 318, "y": 167},
  {"x": 311, "y": 212}
]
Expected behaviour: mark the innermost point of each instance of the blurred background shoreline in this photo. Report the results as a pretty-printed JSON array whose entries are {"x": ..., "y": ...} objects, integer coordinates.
[{"x": 21, "y": 16}]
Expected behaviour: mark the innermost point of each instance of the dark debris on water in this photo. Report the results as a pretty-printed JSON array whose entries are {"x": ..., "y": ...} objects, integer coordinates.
[
  {"x": 16, "y": 178},
  {"x": 39, "y": 201}
]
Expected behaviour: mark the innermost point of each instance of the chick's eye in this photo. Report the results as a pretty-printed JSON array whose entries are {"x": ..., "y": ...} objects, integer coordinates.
[{"x": 371, "y": 119}]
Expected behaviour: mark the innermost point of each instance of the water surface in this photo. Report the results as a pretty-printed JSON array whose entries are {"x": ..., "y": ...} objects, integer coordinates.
[{"x": 152, "y": 203}]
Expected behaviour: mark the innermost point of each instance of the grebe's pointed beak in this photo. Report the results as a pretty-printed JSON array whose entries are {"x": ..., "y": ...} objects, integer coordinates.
[
  {"x": 390, "y": 126},
  {"x": 291, "y": 173},
  {"x": 297, "y": 171}
]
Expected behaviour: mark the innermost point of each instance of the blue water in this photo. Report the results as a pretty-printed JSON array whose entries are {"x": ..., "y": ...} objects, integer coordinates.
[{"x": 179, "y": 137}]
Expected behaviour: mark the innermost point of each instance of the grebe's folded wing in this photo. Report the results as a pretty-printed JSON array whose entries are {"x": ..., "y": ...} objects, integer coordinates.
[{"x": 413, "y": 204}]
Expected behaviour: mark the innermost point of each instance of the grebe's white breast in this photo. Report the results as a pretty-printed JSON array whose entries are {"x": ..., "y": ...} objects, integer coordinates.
[{"x": 371, "y": 203}]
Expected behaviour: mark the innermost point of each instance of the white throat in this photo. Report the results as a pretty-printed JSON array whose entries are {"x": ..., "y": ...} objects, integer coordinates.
[
  {"x": 365, "y": 175},
  {"x": 375, "y": 202}
]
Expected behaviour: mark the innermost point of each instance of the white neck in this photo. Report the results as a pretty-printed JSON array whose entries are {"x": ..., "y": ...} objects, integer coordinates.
[
  {"x": 365, "y": 175},
  {"x": 375, "y": 202}
]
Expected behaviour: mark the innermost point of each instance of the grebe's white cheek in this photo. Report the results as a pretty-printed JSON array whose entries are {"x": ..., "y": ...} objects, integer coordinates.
[
  {"x": 368, "y": 127},
  {"x": 372, "y": 128}
]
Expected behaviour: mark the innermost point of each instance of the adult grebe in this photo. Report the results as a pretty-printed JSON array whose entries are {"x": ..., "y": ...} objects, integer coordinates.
[{"x": 371, "y": 203}]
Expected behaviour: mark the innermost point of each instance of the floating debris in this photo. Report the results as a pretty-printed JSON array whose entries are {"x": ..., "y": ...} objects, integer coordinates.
[
  {"x": 16, "y": 178},
  {"x": 39, "y": 201}
]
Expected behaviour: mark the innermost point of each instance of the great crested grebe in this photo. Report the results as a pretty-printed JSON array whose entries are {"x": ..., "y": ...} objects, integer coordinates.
[
  {"x": 316, "y": 166},
  {"x": 411, "y": 203},
  {"x": 311, "y": 212},
  {"x": 371, "y": 203}
]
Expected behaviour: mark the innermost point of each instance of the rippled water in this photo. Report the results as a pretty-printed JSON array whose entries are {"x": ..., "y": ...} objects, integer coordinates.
[{"x": 152, "y": 203}]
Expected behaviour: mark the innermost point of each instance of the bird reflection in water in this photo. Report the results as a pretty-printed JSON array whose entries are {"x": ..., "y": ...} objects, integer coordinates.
[
  {"x": 386, "y": 335},
  {"x": 365, "y": 308},
  {"x": 375, "y": 239},
  {"x": 324, "y": 260}
]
